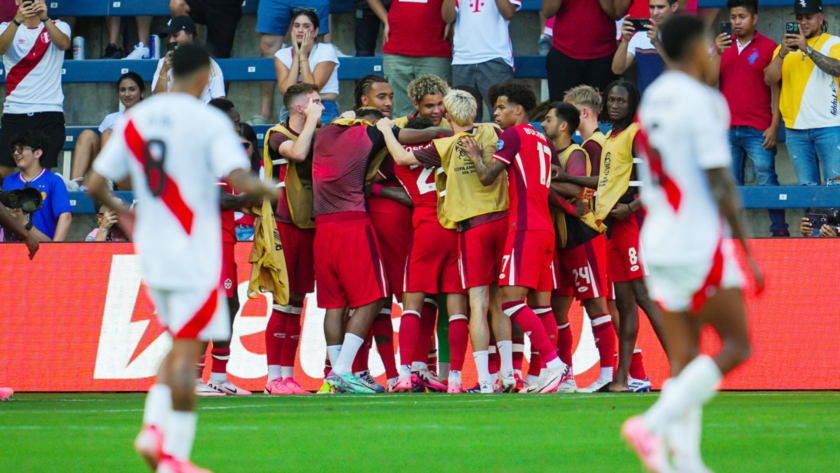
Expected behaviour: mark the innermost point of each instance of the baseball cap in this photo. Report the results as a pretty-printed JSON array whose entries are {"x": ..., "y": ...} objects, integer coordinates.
[
  {"x": 807, "y": 7},
  {"x": 181, "y": 23}
]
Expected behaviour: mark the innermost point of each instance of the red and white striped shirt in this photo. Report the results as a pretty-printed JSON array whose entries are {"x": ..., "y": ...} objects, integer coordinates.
[{"x": 33, "y": 70}]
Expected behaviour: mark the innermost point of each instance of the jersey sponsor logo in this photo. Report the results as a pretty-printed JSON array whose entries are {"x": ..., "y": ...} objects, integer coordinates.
[
  {"x": 634, "y": 268},
  {"x": 499, "y": 145},
  {"x": 228, "y": 283},
  {"x": 583, "y": 289}
]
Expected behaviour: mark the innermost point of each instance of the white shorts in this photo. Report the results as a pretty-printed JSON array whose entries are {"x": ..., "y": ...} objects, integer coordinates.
[
  {"x": 193, "y": 315},
  {"x": 686, "y": 288}
]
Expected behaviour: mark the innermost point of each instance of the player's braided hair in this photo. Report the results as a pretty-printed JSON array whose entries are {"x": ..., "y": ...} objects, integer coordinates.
[
  {"x": 363, "y": 86},
  {"x": 635, "y": 98},
  {"x": 428, "y": 84},
  {"x": 517, "y": 91}
]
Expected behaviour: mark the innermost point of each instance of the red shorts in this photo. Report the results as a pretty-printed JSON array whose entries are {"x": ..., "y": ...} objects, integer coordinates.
[
  {"x": 348, "y": 265},
  {"x": 394, "y": 233},
  {"x": 229, "y": 279},
  {"x": 528, "y": 260},
  {"x": 480, "y": 251},
  {"x": 625, "y": 251},
  {"x": 298, "y": 251},
  {"x": 433, "y": 261},
  {"x": 582, "y": 271}
]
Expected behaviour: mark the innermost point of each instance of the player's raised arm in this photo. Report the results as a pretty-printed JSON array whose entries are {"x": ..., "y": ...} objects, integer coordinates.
[
  {"x": 487, "y": 172},
  {"x": 298, "y": 150}
]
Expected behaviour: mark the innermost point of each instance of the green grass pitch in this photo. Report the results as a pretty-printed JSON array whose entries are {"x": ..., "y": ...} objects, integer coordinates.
[{"x": 743, "y": 432}]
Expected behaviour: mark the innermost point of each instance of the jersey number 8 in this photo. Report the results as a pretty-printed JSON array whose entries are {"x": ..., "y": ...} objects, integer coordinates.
[{"x": 154, "y": 155}]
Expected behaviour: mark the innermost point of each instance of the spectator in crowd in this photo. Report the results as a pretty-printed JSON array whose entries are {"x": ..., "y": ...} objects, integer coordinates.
[
  {"x": 482, "y": 55},
  {"x": 308, "y": 61},
  {"x": 220, "y": 16},
  {"x": 808, "y": 65},
  {"x": 644, "y": 46},
  {"x": 826, "y": 231},
  {"x": 181, "y": 30},
  {"x": 141, "y": 49},
  {"x": 753, "y": 106},
  {"x": 52, "y": 221},
  {"x": 414, "y": 44},
  {"x": 108, "y": 230},
  {"x": 367, "y": 21},
  {"x": 547, "y": 36},
  {"x": 131, "y": 89},
  {"x": 273, "y": 20},
  {"x": 230, "y": 110},
  {"x": 32, "y": 46},
  {"x": 584, "y": 43}
]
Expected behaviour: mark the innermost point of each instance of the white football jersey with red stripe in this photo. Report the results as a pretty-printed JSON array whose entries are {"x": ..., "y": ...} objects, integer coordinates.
[
  {"x": 33, "y": 70},
  {"x": 174, "y": 148},
  {"x": 684, "y": 132}
]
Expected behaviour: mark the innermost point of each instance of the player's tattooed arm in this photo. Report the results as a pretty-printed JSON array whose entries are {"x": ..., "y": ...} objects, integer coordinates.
[
  {"x": 487, "y": 172},
  {"x": 829, "y": 65},
  {"x": 729, "y": 205}
]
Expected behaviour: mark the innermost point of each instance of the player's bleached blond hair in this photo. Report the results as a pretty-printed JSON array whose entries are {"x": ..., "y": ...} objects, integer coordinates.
[
  {"x": 461, "y": 106},
  {"x": 428, "y": 84},
  {"x": 585, "y": 96}
]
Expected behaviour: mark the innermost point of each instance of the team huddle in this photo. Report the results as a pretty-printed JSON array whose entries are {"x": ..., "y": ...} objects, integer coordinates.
[{"x": 484, "y": 232}]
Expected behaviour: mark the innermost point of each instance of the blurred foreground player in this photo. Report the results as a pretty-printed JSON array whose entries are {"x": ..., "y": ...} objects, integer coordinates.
[
  {"x": 174, "y": 148},
  {"x": 693, "y": 210}
]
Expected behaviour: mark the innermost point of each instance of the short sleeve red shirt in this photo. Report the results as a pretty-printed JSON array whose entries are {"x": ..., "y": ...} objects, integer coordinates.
[
  {"x": 416, "y": 29},
  {"x": 742, "y": 83},
  {"x": 583, "y": 31}
]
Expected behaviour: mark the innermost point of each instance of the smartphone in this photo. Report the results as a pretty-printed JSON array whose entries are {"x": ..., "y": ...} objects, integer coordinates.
[
  {"x": 27, "y": 2},
  {"x": 172, "y": 47},
  {"x": 791, "y": 27},
  {"x": 726, "y": 28},
  {"x": 817, "y": 221},
  {"x": 639, "y": 23}
]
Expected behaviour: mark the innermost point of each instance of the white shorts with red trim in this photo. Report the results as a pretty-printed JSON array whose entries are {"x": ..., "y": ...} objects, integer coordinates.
[
  {"x": 685, "y": 288},
  {"x": 192, "y": 314}
]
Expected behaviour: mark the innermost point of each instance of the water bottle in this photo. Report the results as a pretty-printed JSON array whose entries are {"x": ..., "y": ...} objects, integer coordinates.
[{"x": 154, "y": 46}]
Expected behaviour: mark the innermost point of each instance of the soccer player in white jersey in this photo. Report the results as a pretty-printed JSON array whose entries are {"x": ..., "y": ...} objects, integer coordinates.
[
  {"x": 693, "y": 211},
  {"x": 173, "y": 148}
]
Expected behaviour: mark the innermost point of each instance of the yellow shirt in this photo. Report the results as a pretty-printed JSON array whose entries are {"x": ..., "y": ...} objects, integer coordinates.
[{"x": 809, "y": 95}]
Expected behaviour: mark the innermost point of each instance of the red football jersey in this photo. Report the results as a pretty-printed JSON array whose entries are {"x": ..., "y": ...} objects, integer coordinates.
[
  {"x": 527, "y": 154},
  {"x": 418, "y": 181}
]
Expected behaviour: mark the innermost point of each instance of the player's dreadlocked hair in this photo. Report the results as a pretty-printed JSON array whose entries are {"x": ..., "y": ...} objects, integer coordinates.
[
  {"x": 635, "y": 98},
  {"x": 518, "y": 92},
  {"x": 424, "y": 85},
  {"x": 363, "y": 87}
]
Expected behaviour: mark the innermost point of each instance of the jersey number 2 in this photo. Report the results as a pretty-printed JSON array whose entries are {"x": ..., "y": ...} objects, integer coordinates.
[
  {"x": 422, "y": 185},
  {"x": 154, "y": 157}
]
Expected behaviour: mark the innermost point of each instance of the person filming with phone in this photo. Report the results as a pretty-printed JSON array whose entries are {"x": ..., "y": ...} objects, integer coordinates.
[
  {"x": 740, "y": 56},
  {"x": 808, "y": 64},
  {"x": 181, "y": 30},
  {"x": 640, "y": 43}
]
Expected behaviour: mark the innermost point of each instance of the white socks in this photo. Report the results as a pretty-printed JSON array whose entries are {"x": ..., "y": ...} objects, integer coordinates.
[
  {"x": 351, "y": 346},
  {"x": 287, "y": 372},
  {"x": 481, "y": 365},
  {"x": 506, "y": 357},
  {"x": 158, "y": 406},
  {"x": 333, "y": 351},
  {"x": 218, "y": 378},
  {"x": 693, "y": 387},
  {"x": 443, "y": 370},
  {"x": 180, "y": 433},
  {"x": 274, "y": 372},
  {"x": 556, "y": 365},
  {"x": 454, "y": 377},
  {"x": 683, "y": 437},
  {"x": 606, "y": 373},
  {"x": 405, "y": 371}
]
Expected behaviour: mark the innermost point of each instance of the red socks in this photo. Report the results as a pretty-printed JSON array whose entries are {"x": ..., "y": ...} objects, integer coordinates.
[
  {"x": 275, "y": 334},
  {"x": 428, "y": 319},
  {"x": 383, "y": 331},
  {"x": 536, "y": 364},
  {"x": 520, "y": 313},
  {"x": 292, "y": 338},
  {"x": 327, "y": 366},
  {"x": 459, "y": 335},
  {"x": 564, "y": 343},
  {"x": 605, "y": 341},
  {"x": 637, "y": 365},
  {"x": 220, "y": 360},
  {"x": 549, "y": 323},
  {"x": 409, "y": 331},
  {"x": 199, "y": 367}
]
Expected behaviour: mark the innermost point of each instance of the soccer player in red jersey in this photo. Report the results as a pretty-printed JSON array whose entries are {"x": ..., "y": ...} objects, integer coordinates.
[
  {"x": 390, "y": 212},
  {"x": 529, "y": 248},
  {"x": 348, "y": 261},
  {"x": 581, "y": 257},
  {"x": 291, "y": 141}
]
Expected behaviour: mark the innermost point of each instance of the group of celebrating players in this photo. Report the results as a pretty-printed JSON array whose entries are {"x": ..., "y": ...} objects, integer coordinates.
[
  {"x": 492, "y": 225},
  {"x": 493, "y": 219}
]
